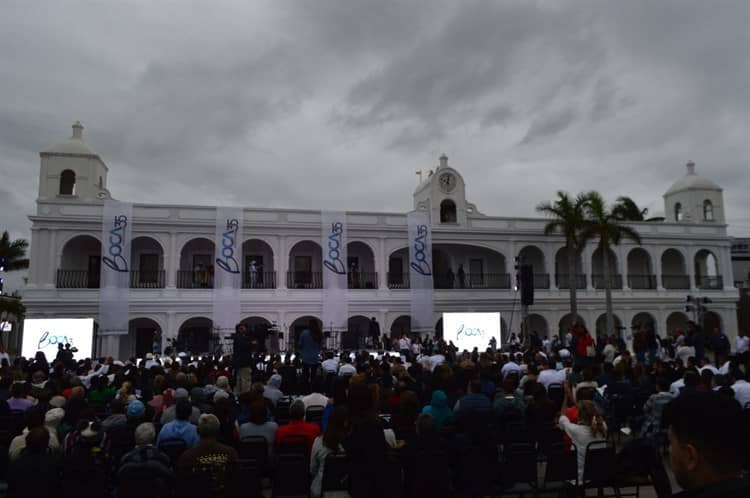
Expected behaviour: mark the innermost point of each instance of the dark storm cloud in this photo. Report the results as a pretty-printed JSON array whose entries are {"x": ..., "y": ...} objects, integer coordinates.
[{"x": 336, "y": 103}]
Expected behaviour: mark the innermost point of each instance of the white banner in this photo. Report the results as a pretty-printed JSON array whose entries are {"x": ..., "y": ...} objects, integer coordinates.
[
  {"x": 334, "y": 267},
  {"x": 114, "y": 277},
  {"x": 420, "y": 271},
  {"x": 228, "y": 269}
]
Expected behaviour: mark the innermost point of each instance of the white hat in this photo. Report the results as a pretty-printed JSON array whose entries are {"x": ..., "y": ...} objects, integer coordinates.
[{"x": 149, "y": 356}]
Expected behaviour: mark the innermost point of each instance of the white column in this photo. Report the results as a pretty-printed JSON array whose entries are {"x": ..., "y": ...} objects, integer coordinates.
[
  {"x": 51, "y": 279},
  {"x": 657, "y": 268},
  {"x": 381, "y": 264},
  {"x": 690, "y": 263},
  {"x": 725, "y": 268},
  {"x": 172, "y": 261},
  {"x": 549, "y": 266},
  {"x": 283, "y": 264},
  {"x": 622, "y": 257},
  {"x": 587, "y": 266},
  {"x": 35, "y": 258},
  {"x": 110, "y": 346}
]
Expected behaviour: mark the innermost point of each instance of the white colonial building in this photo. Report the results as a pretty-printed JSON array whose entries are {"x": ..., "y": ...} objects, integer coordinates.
[{"x": 172, "y": 250}]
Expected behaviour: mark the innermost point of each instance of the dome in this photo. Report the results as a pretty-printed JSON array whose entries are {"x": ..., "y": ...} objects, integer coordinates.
[
  {"x": 74, "y": 145},
  {"x": 692, "y": 181}
]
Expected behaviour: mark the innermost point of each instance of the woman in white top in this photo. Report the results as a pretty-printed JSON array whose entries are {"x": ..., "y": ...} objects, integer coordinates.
[
  {"x": 590, "y": 427},
  {"x": 330, "y": 442}
]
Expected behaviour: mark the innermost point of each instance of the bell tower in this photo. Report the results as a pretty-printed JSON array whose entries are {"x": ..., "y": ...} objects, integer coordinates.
[{"x": 443, "y": 193}]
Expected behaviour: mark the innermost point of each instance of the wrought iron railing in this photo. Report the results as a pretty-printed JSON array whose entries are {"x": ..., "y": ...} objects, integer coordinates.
[
  {"x": 304, "y": 280},
  {"x": 541, "y": 280},
  {"x": 77, "y": 279},
  {"x": 195, "y": 279},
  {"x": 147, "y": 279},
  {"x": 708, "y": 283},
  {"x": 598, "y": 281},
  {"x": 561, "y": 280},
  {"x": 362, "y": 280},
  {"x": 641, "y": 281},
  {"x": 675, "y": 281},
  {"x": 259, "y": 280}
]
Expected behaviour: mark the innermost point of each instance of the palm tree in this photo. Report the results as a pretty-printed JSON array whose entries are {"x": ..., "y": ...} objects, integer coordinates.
[
  {"x": 604, "y": 224},
  {"x": 13, "y": 253},
  {"x": 627, "y": 210},
  {"x": 568, "y": 217}
]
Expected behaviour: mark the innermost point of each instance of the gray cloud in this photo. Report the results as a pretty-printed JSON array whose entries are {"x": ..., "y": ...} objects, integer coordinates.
[{"x": 336, "y": 103}]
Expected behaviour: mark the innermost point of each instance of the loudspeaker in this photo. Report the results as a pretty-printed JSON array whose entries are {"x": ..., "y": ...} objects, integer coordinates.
[{"x": 526, "y": 278}]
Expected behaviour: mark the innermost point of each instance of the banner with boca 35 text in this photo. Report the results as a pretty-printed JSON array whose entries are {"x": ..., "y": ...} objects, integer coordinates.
[
  {"x": 333, "y": 240},
  {"x": 228, "y": 269},
  {"x": 420, "y": 271},
  {"x": 116, "y": 265}
]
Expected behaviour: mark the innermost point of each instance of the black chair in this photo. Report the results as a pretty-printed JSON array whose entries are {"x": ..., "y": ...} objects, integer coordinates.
[
  {"x": 173, "y": 448},
  {"x": 475, "y": 472},
  {"x": 254, "y": 448},
  {"x": 548, "y": 438},
  {"x": 250, "y": 476},
  {"x": 335, "y": 474},
  {"x": 292, "y": 445},
  {"x": 291, "y": 477},
  {"x": 314, "y": 414},
  {"x": 140, "y": 481},
  {"x": 281, "y": 412},
  {"x": 428, "y": 475},
  {"x": 519, "y": 471},
  {"x": 561, "y": 472},
  {"x": 599, "y": 469},
  {"x": 556, "y": 393}
]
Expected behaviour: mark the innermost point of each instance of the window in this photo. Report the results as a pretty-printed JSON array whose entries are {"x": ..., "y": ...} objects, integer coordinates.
[
  {"x": 448, "y": 211},
  {"x": 67, "y": 182},
  {"x": 708, "y": 211},
  {"x": 678, "y": 212}
]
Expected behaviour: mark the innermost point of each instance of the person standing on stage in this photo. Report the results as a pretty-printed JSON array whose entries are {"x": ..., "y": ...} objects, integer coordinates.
[
  {"x": 374, "y": 332},
  {"x": 310, "y": 343},
  {"x": 242, "y": 359}
]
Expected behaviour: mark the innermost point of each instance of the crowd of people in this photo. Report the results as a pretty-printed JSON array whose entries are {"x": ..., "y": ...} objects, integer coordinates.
[{"x": 417, "y": 422}]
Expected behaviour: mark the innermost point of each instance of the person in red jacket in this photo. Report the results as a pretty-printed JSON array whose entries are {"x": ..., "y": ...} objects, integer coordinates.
[
  {"x": 297, "y": 426},
  {"x": 583, "y": 341}
]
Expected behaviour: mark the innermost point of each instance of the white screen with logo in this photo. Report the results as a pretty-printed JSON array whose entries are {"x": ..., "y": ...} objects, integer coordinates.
[
  {"x": 44, "y": 334},
  {"x": 471, "y": 330}
]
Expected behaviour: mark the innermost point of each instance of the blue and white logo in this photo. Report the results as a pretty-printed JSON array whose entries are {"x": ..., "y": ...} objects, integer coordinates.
[
  {"x": 227, "y": 261},
  {"x": 47, "y": 340},
  {"x": 333, "y": 261},
  {"x": 115, "y": 258},
  {"x": 421, "y": 263},
  {"x": 469, "y": 332}
]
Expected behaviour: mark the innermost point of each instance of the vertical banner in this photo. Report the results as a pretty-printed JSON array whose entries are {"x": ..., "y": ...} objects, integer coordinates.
[
  {"x": 114, "y": 276},
  {"x": 420, "y": 271},
  {"x": 228, "y": 269},
  {"x": 333, "y": 240}
]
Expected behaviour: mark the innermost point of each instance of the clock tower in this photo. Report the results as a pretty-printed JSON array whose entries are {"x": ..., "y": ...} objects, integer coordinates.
[{"x": 443, "y": 193}]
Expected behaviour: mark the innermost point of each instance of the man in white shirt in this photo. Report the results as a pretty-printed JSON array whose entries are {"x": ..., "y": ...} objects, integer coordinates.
[
  {"x": 609, "y": 353},
  {"x": 547, "y": 345},
  {"x": 347, "y": 368},
  {"x": 329, "y": 365},
  {"x": 404, "y": 345},
  {"x": 550, "y": 376},
  {"x": 741, "y": 388},
  {"x": 707, "y": 366},
  {"x": 510, "y": 367},
  {"x": 742, "y": 343}
]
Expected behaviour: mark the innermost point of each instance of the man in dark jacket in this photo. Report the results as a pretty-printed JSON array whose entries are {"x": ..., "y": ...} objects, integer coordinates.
[
  {"x": 707, "y": 444},
  {"x": 242, "y": 359}
]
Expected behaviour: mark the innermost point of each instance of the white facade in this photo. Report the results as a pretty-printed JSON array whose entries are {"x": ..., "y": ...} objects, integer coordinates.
[{"x": 171, "y": 288}]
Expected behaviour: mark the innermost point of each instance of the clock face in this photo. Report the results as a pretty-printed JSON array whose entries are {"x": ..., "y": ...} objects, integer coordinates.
[{"x": 447, "y": 182}]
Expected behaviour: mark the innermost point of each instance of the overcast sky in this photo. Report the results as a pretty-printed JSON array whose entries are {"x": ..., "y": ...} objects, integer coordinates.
[{"x": 336, "y": 104}]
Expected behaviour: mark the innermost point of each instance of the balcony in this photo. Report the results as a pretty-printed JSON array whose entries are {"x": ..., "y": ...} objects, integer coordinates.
[
  {"x": 475, "y": 281},
  {"x": 675, "y": 281},
  {"x": 599, "y": 282},
  {"x": 362, "y": 280},
  {"x": 562, "y": 281},
  {"x": 77, "y": 279},
  {"x": 190, "y": 279},
  {"x": 709, "y": 283},
  {"x": 541, "y": 280},
  {"x": 304, "y": 280},
  {"x": 642, "y": 281},
  {"x": 147, "y": 279},
  {"x": 398, "y": 280},
  {"x": 259, "y": 280}
]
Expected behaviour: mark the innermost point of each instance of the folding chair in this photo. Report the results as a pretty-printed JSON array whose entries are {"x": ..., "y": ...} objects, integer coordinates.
[
  {"x": 335, "y": 474},
  {"x": 291, "y": 478},
  {"x": 561, "y": 472},
  {"x": 600, "y": 467},
  {"x": 254, "y": 448},
  {"x": 314, "y": 414}
]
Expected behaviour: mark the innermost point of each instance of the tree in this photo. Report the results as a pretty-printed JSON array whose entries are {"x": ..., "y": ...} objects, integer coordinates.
[
  {"x": 568, "y": 217},
  {"x": 13, "y": 253},
  {"x": 605, "y": 225},
  {"x": 627, "y": 210}
]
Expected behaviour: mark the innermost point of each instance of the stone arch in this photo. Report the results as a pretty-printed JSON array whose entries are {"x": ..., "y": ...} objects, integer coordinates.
[
  {"x": 398, "y": 269},
  {"x": 67, "y": 182},
  {"x": 708, "y": 210},
  {"x": 597, "y": 269},
  {"x": 146, "y": 262},
  {"x": 566, "y": 322},
  {"x": 300, "y": 324},
  {"x": 537, "y": 323},
  {"x": 707, "y": 274},
  {"x": 144, "y": 336},
  {"x": 601, "y": 325},
  {"x": 195, "y": 335},
  {"x": 469, "y": 266},
  {"x": 259, "y": 326},
  {"x": 197, "y": 257},
  {"x": 361, "y": 265},
  {"x": 448, "y": 211},
  {"x": 305, "y": 260},
  {"x": 534, "y": 256},
  {"x": 711, "y": 321},
  {"x": 401, "y": 325},
  {"x": 678, "y": 214},
  {"x": 258, "y": 270},
  {"x": 358, "y": 328},
  {"x": 644, "y": 320},
  {"x": 640, "y": 269},
  {"x": 676, "y": 320},
  {"x": 80, "y": 262},
  {"x": 561, "y": 270},
  {"x": 673, "y": 270}
]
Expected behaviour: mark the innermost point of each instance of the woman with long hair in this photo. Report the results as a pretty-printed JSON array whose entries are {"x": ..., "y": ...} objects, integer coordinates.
[
  {"x": 310, "y": 343},
  {"x": 590, "y": 427},
  {"x": 330, "y": 442}
]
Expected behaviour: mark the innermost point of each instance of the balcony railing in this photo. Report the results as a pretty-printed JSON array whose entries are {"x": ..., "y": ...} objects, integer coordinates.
[
  {"x": 304, "y": 280},
  {"x": 77, "y": 279},
  {"x": 642, "y": 281},
  {"x": 708, "y": 283},
  {"x": 191, "y": 279},
  {"x": 598, "y": 281},
  {"x": 259, "y": 280},
  {"x": 541, "y": 280},
  {"x": 362, "y": 280},
  {"x": 398, "y": 280},
  {"x": 474, "y": 281},
  {"x": 675, "y": 281},
  {"x": 147, "y": 279},
  {"x": 562, "y": 281}
]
